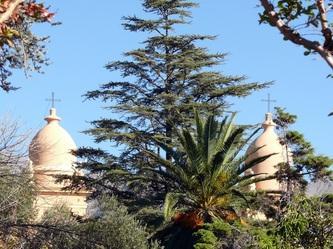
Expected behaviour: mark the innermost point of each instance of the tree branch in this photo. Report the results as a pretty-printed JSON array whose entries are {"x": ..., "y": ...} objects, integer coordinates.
[
  {"x": 322, "y": 13},
  {"x": 8, "y": 13},
  {"x": 292, "y": 35}
]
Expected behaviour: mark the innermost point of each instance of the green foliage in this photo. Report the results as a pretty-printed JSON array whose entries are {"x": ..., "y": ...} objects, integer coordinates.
[
  {"x": 16, "y": 195},
  {"x": 16, "y": 185},
  {"x": 206, "y": 173},
  {"x": 114, "y": 227},
  {"x": 151, "y": 218},
  {"x": 169, "y": 205},
  {"x": 220, "y": 228},
  {"x": 296, "y": 14},
  {"x": 293, "y": 9},
  {"x": 221, "y": 235},
  {"x": 162, "y": 82},
  {"x": 283, "y": 119},
  {"x": 203, "y": 246},
  {"x": 212, "y": 234},
  {"x": 266, "y": 239},
  {"x": 307, "y": 223},
  {"x": 21, "y": 47},
  {"x": 57, "y": 229},
  {"x": 305, "y": 164},
  {"x": 205, "y": 237}
]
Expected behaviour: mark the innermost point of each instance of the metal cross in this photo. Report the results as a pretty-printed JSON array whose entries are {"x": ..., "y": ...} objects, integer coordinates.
[
  {"x": 269, "y": 101},
  {"x": 52, "y": 100}
]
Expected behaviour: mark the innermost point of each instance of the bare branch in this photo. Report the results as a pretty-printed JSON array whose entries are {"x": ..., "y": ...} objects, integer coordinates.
[{"x": 323, "y": 14}]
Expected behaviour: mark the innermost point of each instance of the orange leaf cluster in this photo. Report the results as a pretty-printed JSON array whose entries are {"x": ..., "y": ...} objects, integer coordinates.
[
  {"x": 38, "y": 11},
  {"x": 230, "y": 216},
  {"x": 31, "y": 9},
  {"x": 191, "y": 220}
]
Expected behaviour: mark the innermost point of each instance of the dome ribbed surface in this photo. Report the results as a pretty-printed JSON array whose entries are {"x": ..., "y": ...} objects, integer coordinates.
[
  {"x": 51, "y": 148},
  {"x": 267, "y": 143}
]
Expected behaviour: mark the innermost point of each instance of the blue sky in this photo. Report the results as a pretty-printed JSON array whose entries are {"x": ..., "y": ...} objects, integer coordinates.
[{"x": 91, "y": 35}]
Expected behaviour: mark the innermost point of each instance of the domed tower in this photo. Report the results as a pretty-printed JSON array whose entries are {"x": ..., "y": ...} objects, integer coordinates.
[
  {"x": 267, "y": 143},
  {"x": 51, "y": 154}
]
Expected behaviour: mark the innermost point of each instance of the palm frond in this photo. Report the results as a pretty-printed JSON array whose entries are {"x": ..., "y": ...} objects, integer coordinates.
[
  {"x": 207, "y": 171},
  {"x": 225, "y": 130},
  {"x": 245, "y": 180},
  {"x": 199, "y": 126},
  {"x": 209, "y": 133},
  {"x": 242, "y": 144},
  {"x": 222, "y": 156},
  {"x": 170, "y": 202},
  {"x": 189, "y": 145},
  {"x": 256, "y": 179},
  {"x": 253, "y": 163}
]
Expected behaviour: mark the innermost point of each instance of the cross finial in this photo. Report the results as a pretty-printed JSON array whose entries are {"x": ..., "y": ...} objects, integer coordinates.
[
  {"x": 269, "y": 101},
  {"x": 53, "y": 100}
]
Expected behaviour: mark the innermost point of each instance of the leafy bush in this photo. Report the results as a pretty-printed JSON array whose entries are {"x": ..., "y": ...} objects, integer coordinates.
[
  {"x": 114, "y": 227},
  {"x": 307, "y": 223},
  {"x": 222, "y": 235},
  {"x": 111, "y": 227},
  {"x": 205, "y": 239},
  {"x": 266, "y": 239}
]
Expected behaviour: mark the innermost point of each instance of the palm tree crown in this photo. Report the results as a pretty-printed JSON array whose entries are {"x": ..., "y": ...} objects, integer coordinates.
[{"x": 207, "y": 173}]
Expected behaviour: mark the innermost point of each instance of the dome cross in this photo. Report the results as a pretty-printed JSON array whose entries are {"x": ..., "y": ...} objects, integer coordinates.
[
  {"x": 269, "y": 101},
  {"x": 53, "y": 100}
]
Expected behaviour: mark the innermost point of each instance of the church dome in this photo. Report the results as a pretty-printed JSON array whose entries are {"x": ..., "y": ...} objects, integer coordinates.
[
  {"x": 267, "y": 143},
  {"x": 51, "y": 148},
  {"x": 51, "y": 156}
]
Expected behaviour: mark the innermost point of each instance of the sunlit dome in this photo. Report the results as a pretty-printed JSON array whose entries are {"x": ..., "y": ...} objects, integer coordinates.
[
  {"x": 52, "y": 146},
  {"x": 51, "y": 156},
  {"x": 267, "y": 143}
]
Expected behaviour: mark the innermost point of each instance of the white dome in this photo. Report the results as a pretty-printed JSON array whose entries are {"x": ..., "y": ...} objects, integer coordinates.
[
  {"x": 51, "y": 148},
  {"x": 51, "y": 155},
  {"x": 267, "y": 143}
]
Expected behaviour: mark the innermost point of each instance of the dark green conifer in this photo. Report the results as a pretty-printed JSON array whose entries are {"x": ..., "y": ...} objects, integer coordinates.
[
  {"x": 304, "y": 164},
  {"x": 162, "y": 83}
]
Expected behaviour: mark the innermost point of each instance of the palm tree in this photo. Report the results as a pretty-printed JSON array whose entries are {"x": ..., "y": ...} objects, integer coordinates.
[{"x": 207, "y": 174}]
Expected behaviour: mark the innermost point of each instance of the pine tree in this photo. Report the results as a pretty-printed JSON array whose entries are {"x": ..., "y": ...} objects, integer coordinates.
[
  {"x": 162, "y": 83},
  {"x": 305, "y": 165}
]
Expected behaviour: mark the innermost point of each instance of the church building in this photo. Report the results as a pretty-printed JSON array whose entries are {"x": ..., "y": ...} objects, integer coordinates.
[
  {"x": 50, "y": 154},
  {"x": 268, "y": 143}
]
